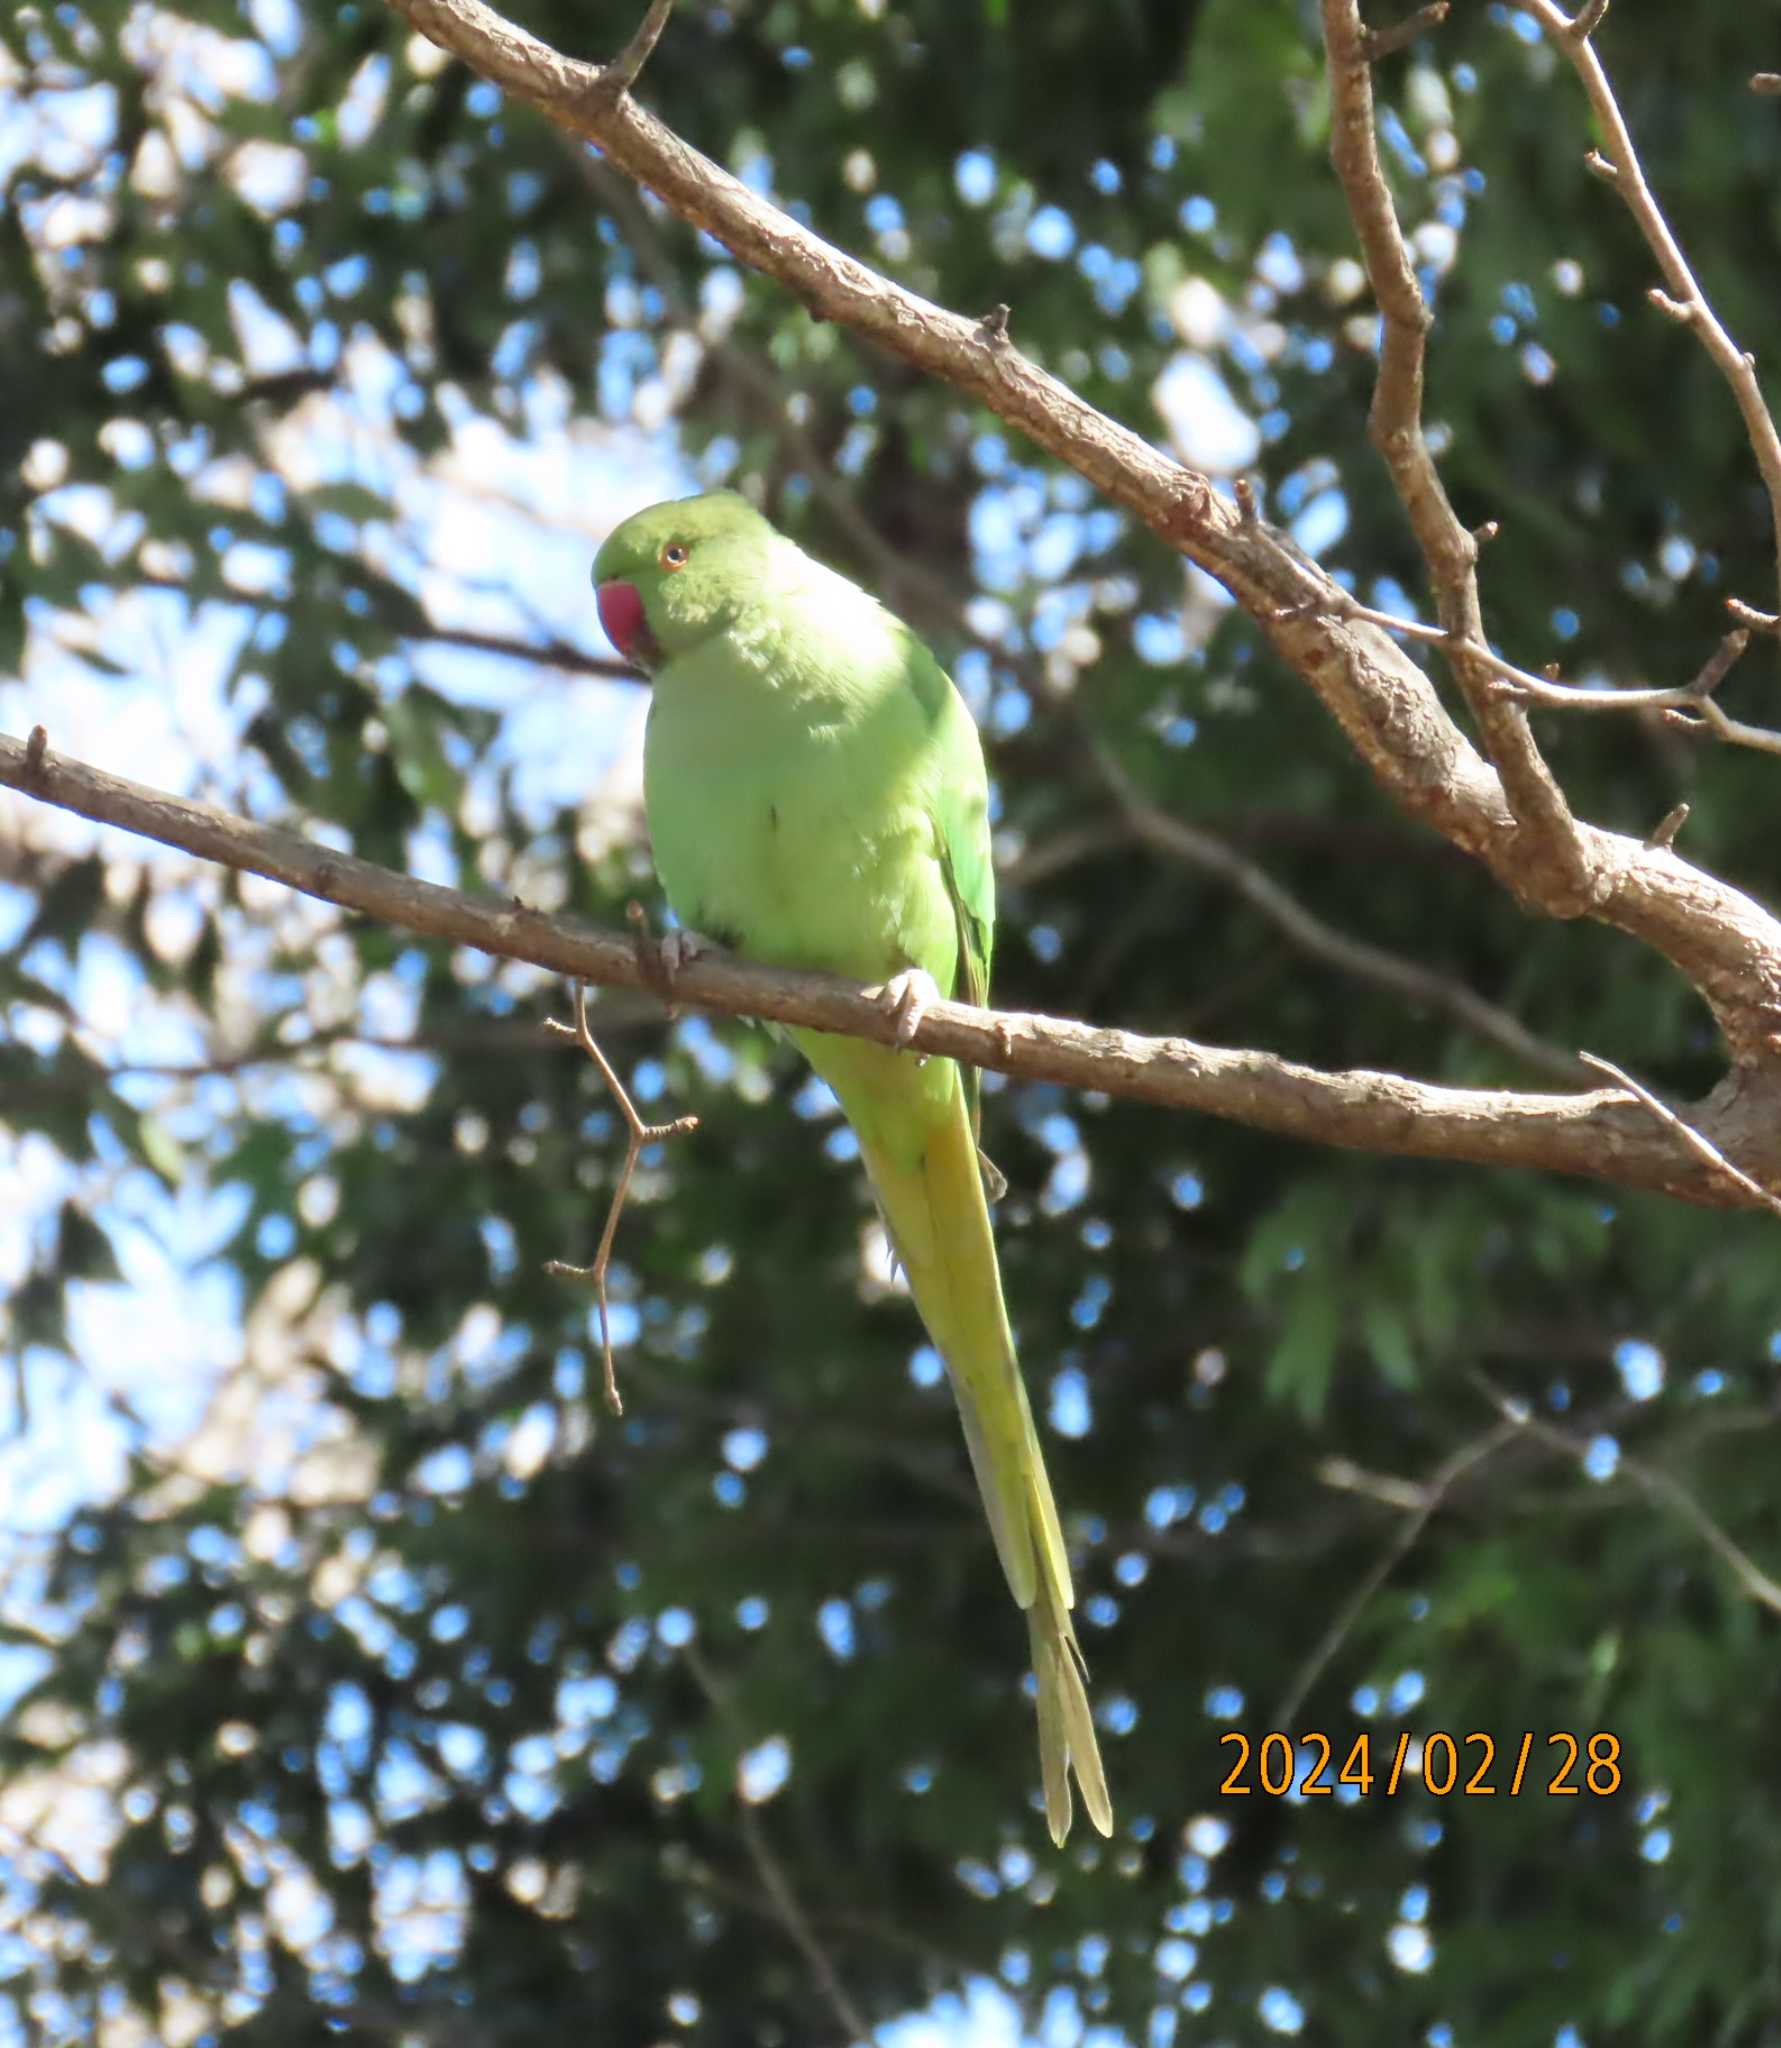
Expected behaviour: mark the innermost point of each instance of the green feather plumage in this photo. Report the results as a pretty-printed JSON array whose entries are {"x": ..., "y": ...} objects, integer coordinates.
[{"x": 817, "y": 798}]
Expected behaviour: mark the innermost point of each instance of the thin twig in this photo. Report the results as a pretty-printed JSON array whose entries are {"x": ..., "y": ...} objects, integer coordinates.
[
  {"x": 1703, "y": 1147},
  {"x": 637, "y": 1135},
  {"x": 771, "y": 1872},
  {"x": 618, "y": 77},
  {"x": 1428, "y": 1499},
  {"x": 1653, "y": 1481},
  {"x": 1663, "y": 833},
  {"x": 1204, "y": 851},
  {"x": 1572, "y": 35},
  {"x": 1690, "y": 705},
  {"x": 1386, "y": 42}
]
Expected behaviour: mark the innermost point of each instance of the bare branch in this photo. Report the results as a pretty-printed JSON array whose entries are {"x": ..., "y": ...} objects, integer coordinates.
[
  {"x": 1588, "y": 19},
  {"x": 1702, "y": 1146},
  {"x": 1594, "y": 1134},
  {"x": 1394, "y": 425},
  {"x": 788, "y": 1908},
  {"x": 1690, "y": 705},
  {"x": 1656, "y": 1484},
  {"x": 1386, "y": 42},
  {"x": 557, "y": 654},
  {"x": 1205, "y": 852},
  {"x": 1422, "y": 1502},
  {"x": 1685, "y": 298},
  {"x": 637, "y": 1135},
  {"x": 622, "y": 73}
]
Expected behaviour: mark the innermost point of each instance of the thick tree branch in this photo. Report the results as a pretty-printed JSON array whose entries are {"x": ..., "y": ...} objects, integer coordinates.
[{"x": 1599, "y": 1134}]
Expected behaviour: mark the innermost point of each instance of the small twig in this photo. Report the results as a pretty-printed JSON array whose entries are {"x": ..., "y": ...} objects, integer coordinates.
[
  {"x": 992, "y": 329},
  {"x": 1588, "y": 19},
  {"x": 1690, "y": 705},
  {"x": 1738, "y": 368},
  {"x": 1702, "y": 1147},
  {"x": 1422, "y": 1507},
  {"x": 778, "y": 1887},
  {"x": 1748, "y": 615},
  {"x": 618, "y": 77},
  {"x": 1385, "y": 42},
  {"x": 638, "y": 1134},
  {"x": 1653, "y": 1481},
  {"x": 1664, "y": 832}
]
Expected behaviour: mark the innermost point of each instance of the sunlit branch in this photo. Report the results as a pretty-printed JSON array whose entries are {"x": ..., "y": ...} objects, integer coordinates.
[{"x": 1597, "y": 1133}]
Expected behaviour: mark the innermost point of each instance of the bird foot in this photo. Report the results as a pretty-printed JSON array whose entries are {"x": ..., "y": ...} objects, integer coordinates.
[
  {"x": 680, "y": 948},
  {"x": 907, "y": 997}
]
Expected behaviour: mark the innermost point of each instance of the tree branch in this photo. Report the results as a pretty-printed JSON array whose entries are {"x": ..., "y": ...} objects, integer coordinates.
[
  {"x": 1358, "y": 959},
  {"x": 1685, "y": 301},
  {"x": 1394, "y": 425},
  {"x": 1598, "y": 1134},
  {"x": 1726, "y": 945}
]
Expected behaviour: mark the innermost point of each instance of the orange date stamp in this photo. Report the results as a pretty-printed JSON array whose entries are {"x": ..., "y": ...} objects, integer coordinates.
[{"x": 1469, "y": 1766}]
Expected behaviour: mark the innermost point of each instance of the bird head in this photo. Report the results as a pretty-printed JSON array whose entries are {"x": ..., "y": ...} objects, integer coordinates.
[{"x": 673, "y": 574}]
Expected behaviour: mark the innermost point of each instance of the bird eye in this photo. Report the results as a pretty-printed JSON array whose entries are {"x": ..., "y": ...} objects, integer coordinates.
[{"x": 674, "y": 555}]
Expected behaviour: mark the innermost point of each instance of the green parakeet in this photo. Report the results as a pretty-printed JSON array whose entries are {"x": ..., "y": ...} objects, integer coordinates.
[{"x": 816, "y": 798}]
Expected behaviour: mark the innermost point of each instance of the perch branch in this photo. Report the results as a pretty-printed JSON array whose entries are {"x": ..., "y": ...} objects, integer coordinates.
[
  {"x": 1597, "y": 1134},
  {"x": 637, "y": 1135}
]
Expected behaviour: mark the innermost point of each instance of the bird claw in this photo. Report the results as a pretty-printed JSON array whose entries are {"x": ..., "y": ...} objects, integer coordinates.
[
  {"x": 680, "y": 948},
  {"x": 907, "y": 997}
]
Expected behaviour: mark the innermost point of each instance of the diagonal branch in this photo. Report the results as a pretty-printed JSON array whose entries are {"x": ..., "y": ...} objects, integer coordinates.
[
  {"x": 1356, "y": 958},
  {"x": 1598, "y": 1134},
  {"x": 788, "y": 1908},
  {"x": 1655, "y": 1483},
  {"x": 1394, "y": 425},
  {"x": 1685, "y": 301},
  {"x": 1422, "y": 1503}
]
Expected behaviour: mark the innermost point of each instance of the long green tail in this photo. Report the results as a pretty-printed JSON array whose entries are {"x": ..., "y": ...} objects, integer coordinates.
[{"x": 923, "y": 1162}]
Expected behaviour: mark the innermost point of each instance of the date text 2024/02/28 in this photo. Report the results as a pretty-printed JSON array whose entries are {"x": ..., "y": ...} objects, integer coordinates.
[{"x": 1474, "y": 1765}]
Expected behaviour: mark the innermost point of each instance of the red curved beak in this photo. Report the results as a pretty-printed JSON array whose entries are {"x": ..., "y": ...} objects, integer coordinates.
[{"x": 621, "y": 615}]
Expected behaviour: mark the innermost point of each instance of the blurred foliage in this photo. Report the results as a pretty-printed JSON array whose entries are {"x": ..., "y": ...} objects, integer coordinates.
[{"x": 416, "y": 1699}]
